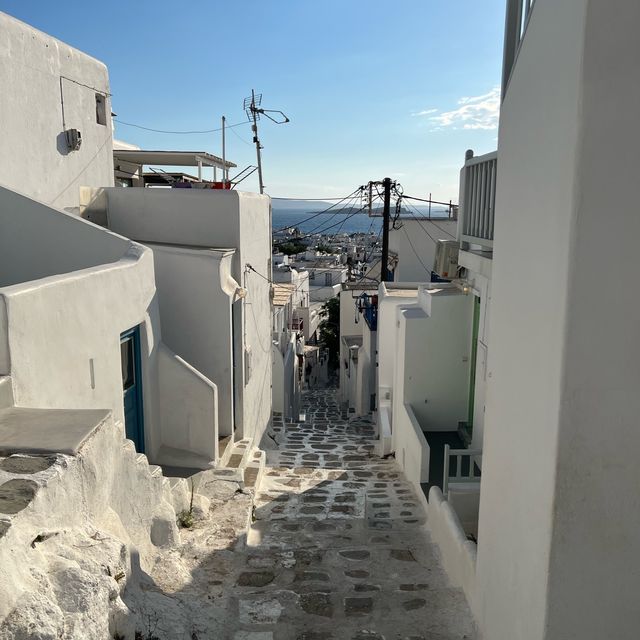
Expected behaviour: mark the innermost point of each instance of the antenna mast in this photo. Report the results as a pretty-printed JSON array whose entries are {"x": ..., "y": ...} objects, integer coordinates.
[{"x": 254, "y": 110}]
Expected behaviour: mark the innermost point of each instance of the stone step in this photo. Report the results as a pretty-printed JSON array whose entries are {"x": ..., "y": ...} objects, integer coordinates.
[{"x": 254, "y": 470}]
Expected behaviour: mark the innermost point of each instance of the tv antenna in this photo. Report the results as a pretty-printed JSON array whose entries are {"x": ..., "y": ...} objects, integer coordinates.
[{"x": 253, "y": 108}]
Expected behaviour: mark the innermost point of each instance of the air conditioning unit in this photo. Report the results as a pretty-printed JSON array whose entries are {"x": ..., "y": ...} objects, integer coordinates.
[
  {"x": 74, "y": 139},
  {"x": 446, "y": 260}
]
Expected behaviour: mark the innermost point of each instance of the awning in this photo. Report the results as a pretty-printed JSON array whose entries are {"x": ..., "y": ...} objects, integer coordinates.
[{"x": 171, "y": 158}]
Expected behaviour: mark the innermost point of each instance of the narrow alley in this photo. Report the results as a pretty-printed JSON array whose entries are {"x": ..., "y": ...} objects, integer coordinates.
[{"x": 338, "y": 548}]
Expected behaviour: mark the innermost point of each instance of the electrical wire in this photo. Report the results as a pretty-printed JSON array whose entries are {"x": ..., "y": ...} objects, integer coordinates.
[
  {"x": 139, "y": 126},
  {"x": 316, "y": 214},
  {"x": 415, "y": 252},
  {"x": 430, "y": 219},
  {"x": 237, "y": 135}
]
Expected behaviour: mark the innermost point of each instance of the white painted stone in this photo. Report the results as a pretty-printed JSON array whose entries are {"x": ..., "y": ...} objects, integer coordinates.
[{"x": 256, "y": 611}]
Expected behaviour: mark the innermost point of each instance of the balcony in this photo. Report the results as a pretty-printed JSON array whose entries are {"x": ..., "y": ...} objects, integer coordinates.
[{"x": 478, "y": 199}]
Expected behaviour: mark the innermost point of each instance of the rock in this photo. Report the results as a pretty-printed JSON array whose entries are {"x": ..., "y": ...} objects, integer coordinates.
[
  {"x": 317, "y": 603},
  {"x": 358, "y": 606},
  {"x": 255, "y": 578}
]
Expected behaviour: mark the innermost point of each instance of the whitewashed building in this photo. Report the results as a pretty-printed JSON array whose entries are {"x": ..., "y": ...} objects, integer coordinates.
[
  {"x": 211, "y": 251},
  {"x": 93, "y": 302},
  {"x": 56, "y": 117}
]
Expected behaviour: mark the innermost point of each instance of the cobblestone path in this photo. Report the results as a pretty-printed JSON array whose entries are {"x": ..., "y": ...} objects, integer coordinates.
[{"x": 338, "y": 548}]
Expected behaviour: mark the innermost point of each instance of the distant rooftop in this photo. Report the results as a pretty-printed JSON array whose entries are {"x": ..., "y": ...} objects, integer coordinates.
[{"x": 282, "y": 293}]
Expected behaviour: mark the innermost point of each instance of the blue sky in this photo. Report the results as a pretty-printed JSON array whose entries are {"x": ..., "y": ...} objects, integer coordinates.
[{"x": 372, "y": 88}]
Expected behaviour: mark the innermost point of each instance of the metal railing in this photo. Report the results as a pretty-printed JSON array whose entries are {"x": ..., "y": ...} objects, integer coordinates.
[
  {"x": 478, "y": 198},
  {"x": 465, "y": 468},
  {"x": 517, "y": 20},
  {"x": 368, "y": 306}
]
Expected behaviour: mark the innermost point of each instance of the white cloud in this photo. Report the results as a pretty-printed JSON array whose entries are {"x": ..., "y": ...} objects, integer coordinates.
[
  {"x": 426, "y": 112},
  {"x": 475, "y": 112}
]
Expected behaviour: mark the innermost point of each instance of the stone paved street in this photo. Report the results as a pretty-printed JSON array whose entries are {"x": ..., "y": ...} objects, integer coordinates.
[{"x": 338, "y": 548}]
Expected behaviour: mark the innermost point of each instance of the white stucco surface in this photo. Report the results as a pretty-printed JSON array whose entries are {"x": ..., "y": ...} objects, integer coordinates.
[
  {"x": 195, "y": 293},
  {"x": 557, "y": 545},
  {"x": 414, "y": 244},
  {"x": 43, "y": 73},
  {"x": 204, "y": 219},
  {"x": 436, "y": 339},
  {"x": 63, "y": 314}
]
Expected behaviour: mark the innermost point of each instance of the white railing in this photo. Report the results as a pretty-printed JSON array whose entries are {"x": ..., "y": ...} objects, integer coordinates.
[
  {"x": 460, "y": 476},
  {"x": 517, "y": 20},
  {"x": 478, "y": 196}
]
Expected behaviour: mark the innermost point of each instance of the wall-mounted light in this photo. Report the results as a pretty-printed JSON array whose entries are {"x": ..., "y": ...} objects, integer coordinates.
[{"x": 241, "y": 292}]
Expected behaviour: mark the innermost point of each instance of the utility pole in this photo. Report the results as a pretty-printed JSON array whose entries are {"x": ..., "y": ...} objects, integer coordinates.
[{"x": 386, "y": 214}]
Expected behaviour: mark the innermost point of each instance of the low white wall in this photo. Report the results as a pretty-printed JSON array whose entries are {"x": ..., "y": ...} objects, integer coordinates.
[
  {"x": 38, "y": 241},
  {"x": 40, "y": 77},
  {"x": 458, "y": 554},
  {"x": 195, "y": 290},
  {"x": 411, "y": 447},
  {"x": 188, "y": 409},
  {"x": 64, "y": 334}
]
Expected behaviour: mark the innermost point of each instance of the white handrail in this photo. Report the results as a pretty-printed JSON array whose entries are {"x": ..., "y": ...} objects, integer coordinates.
[{"x": 459, "y": 454}]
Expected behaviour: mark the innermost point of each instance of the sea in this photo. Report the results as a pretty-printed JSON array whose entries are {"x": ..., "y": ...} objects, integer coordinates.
[{"x": 308, "y": 221}]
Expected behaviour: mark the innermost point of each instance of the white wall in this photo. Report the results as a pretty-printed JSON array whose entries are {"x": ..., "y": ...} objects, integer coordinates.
[
  {"x": 34, "y": 69},
  {"x": 388, "y": 345},
  {"x": 204, "y": 218},
  {"x": 415, "y": 249},
  {"x": 556, "y": 546},
  {"x": 434, "y": 380},
  {"x": 348, "y": 327},
  {"x": 188, "y": 412},
  {"x": 596, "y": 533},
  {"x": 196, "y": 317},
  {"x": 60, "y": 333}
]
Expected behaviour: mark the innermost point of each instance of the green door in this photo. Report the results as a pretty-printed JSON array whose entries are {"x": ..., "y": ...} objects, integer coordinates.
[{"x": 474, "y": 358}]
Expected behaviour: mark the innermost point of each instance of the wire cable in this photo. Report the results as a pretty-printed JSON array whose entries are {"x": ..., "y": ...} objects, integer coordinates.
[{"x": 139, "y": 126}]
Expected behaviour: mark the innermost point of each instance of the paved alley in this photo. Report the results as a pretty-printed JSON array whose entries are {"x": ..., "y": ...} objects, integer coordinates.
[{"x": 338, "y": 547}]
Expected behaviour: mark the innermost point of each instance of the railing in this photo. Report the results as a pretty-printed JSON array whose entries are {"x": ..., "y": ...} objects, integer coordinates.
[
  {"x": 296, "y": 324},
  {"x": 368, "y": 306},
  {"x": 464, "y": 468},
  {"x": 478, "y": 196},
  {"x": 517, "y": 20}
]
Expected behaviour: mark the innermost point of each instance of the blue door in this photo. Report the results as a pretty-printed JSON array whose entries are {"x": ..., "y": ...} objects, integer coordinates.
[{"x": 132, "y": 386}]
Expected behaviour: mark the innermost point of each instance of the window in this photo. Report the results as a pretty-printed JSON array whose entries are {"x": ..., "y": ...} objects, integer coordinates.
[{"x": 101, "y": 109}]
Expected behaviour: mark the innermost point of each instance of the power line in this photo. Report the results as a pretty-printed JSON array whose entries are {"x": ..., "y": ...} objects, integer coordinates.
[
  {"x": 237, "y": 135},
  {"x": 415, "y": 252},
  {"x": 315, "y": 215},
  {"x": 420, "y": 218},
  {"x": 310, "y": 199},
  {"x": 139, "y": 126}
]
